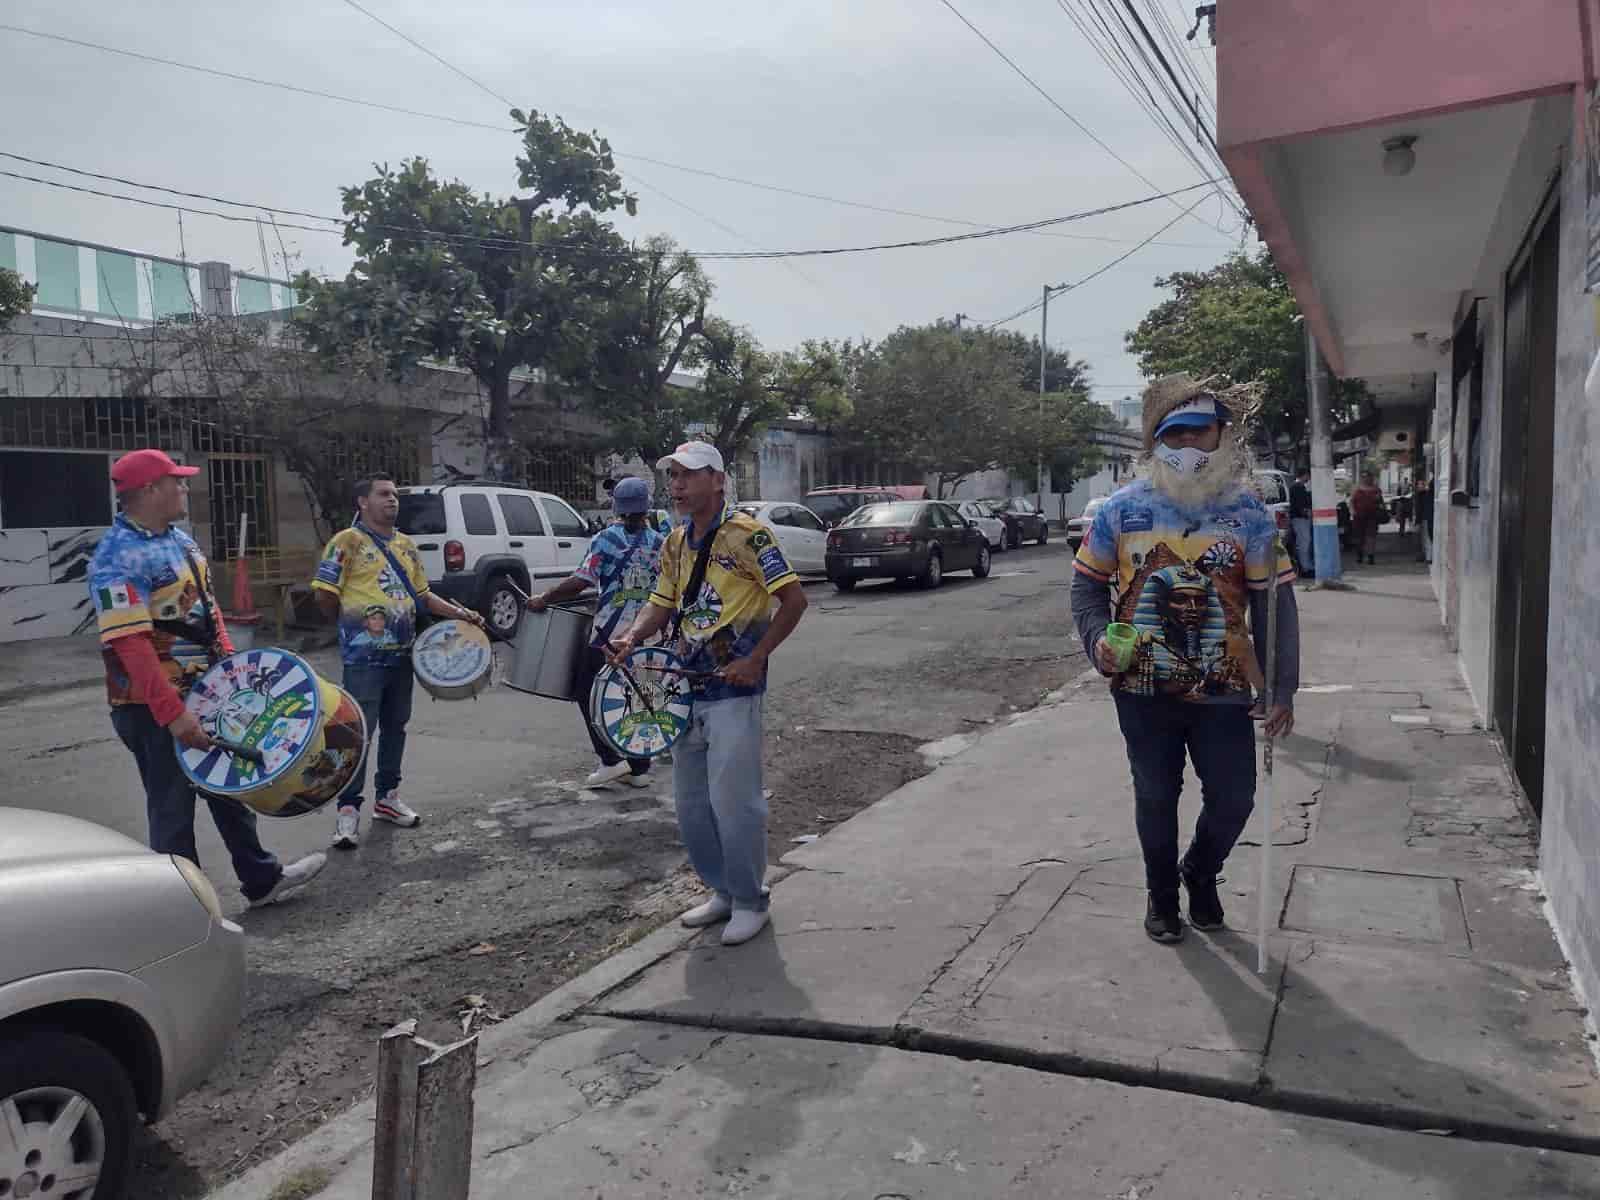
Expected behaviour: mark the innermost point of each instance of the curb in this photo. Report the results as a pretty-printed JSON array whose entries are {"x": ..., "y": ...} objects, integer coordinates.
[{"x": 335, "y": 1145}]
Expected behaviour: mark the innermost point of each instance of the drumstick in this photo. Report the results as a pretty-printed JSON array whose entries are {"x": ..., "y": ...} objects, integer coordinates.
[
  {"x": 248, "y": 753},
  {"x": 679, "y": 671}
]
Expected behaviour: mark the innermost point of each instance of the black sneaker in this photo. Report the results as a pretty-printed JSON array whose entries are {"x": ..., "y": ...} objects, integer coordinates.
[
  {"x": 1161, "y": 920},
  {"x": 1205, "y": 906}
]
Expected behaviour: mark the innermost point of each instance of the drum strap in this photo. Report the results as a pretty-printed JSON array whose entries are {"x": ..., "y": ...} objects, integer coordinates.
[
  {"x": 422, "y": 618},
  {"x": 697, "y": 578},
  {"x": 203, "y": 585}
]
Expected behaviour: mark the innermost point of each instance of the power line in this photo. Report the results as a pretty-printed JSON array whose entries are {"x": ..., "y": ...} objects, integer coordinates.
[
  {"x": 466, "y": 123},
  {"x": 512, "y": 245},
  {"x": 449, "y": 66}
]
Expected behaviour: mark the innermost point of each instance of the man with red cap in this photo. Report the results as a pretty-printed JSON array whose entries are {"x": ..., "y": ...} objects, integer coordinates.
[{"x": 160, "y": 628}]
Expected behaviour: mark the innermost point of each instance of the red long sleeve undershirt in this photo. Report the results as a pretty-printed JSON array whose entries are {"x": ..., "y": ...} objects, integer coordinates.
[{"x": 147, "y": 680}]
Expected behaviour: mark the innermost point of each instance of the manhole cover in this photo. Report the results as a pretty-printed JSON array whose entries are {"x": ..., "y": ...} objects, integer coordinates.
[{"x": 1376, "y": 904}]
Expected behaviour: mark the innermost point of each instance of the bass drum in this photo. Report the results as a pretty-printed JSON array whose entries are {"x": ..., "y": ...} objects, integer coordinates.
[{"x": 309, "y": 731}]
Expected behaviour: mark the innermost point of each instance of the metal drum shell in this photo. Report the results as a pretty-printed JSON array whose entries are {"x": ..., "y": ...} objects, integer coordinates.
[
  {"x": 548, "y": 652},
  {"x": 469, "y": 669}
]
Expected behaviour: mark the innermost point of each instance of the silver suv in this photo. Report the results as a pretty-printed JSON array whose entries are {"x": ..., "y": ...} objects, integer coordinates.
[{"x": 481, "y": 541}]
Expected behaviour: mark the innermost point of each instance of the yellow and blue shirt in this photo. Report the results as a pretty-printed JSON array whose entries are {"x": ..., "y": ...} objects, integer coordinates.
[
  {"x": 377, "y": 617},
  {"x": 142, "y": 582},
  {"x": 1182, "y": 579},
  {"x": 733, "y": 611}
]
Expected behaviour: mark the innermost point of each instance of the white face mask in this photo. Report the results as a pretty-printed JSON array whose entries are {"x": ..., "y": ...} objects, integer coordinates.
[{"x": 1186, "y": 460}]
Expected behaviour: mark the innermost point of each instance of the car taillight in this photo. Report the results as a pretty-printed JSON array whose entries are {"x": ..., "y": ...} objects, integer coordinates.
[
  {"x": 455, "y": 556},
  {"x": 1283, "y": 519},
  {"x": 834, "y": 541},
  {"x": 897, "y": 537}
]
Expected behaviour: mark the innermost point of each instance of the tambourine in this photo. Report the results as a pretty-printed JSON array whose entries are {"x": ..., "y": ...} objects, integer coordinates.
[{"x": 642, "y": 706}]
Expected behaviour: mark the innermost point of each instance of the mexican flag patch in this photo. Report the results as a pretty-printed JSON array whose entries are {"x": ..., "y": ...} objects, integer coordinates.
[{"x": 120, "y": 595}]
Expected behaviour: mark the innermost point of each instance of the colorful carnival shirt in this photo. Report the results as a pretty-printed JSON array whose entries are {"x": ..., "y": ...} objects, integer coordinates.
[
  {"x": 1181, "y": 577},
  {"x": 622, "y": 567},
  {"x": 142, "y": 582},
  {"x": 377, "y": 617},
  {"x": 732, "y": 613}
]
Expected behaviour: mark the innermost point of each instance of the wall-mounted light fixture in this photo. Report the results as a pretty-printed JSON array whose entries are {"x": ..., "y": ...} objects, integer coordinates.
[{"x": 1398, "y": 156}]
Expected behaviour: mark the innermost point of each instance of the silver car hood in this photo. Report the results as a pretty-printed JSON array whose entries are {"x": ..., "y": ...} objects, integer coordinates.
[{"x": 32, "y": 838}]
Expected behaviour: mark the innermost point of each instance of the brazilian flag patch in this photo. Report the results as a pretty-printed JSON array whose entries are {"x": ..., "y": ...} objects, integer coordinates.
[{"x": 760, "y": 540}]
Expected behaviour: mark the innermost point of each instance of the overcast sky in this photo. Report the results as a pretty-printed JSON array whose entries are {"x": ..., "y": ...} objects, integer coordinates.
[{"x": 885, "y": 102}]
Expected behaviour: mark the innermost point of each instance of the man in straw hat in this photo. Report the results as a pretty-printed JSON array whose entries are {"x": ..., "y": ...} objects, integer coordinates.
[
  {"x": 721, "y": 571},
  {"x": 160, "y": 628},
  {"x": 1183, "y": 555}
]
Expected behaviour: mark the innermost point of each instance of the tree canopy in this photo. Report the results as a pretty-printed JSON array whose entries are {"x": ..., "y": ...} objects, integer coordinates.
[{"x": 16, "y": 296}]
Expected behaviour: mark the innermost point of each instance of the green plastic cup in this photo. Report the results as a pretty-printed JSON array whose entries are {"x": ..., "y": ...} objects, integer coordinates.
[{"x": 1122, "y": 638}]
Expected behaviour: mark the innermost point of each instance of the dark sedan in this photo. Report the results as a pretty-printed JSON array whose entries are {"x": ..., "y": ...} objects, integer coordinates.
[
  {"x": 1024, "y": 522},
  {"x": 908, "y": 539}
]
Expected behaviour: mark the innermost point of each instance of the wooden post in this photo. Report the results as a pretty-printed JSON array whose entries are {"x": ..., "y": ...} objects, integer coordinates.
[{"x": 422, "y": 1142}]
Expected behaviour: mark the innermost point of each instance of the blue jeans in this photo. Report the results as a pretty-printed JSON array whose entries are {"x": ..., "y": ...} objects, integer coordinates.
[
  {"x": 169, "y": 805},
  {"x": 384, "y": 694},
  {"x": 1220, "y": 740},
  {"x": 722, "y": 809},
  {"x": 1303, "y": 549}
]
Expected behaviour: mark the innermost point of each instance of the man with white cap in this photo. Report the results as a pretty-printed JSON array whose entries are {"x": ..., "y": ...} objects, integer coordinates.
[
  {"x": 1186, "y": 557},
  {"x": 160, "y": 629},
  {"x": 622, "y": 564},
  {"x": 720, "y": 572}
]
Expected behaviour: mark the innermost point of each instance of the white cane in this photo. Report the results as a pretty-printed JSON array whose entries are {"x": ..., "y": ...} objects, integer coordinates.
[{"x": 1265, "y": 885}]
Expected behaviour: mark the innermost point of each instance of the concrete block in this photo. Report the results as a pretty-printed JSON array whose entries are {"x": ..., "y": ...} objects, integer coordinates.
[{"x": 63, "y": 352}]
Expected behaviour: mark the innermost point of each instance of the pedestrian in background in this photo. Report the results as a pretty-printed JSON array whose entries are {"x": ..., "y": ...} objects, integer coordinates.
[
  {"x": 623, "y": 561},
  {"x": 1186, "y": 557},
  {"x": 1300, "y": 520},
  {"x": 1422, "y": 503},
  {"x": 372, "y": 582},
  {"x": 1366, "y": 504},
  {"x": 160, "y": 630}
]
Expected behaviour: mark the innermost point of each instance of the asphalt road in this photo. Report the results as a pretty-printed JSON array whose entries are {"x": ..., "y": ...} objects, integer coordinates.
[{"x": 518, "y": 877}]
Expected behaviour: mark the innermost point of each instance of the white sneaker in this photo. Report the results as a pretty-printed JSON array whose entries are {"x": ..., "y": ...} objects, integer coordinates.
[
  {"x": 604, "y": 776},
  {"x": 713, "y": 910},
  {"x": 295, "y": 876},
  {"x": 744, "y": 926},
  {"x": 389, "y": 807},
  {"x": 639, "y": 781},
  {"x": 347, "y": 828}
]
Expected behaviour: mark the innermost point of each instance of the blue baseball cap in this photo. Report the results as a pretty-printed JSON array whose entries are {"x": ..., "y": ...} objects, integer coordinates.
[
  {"x": 630, "y": 497},
  {"x": 1198, "y": 411}
]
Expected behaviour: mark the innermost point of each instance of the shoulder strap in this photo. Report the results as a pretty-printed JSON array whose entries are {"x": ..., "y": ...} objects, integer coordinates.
[
  {"x": 405, "y": 580},
  {"x": 203, "y": 584},
  {"x": 697, "y": 576}
]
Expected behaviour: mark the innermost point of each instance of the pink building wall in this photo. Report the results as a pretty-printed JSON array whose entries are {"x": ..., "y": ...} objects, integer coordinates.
[{"x": 1286, "y": 68}]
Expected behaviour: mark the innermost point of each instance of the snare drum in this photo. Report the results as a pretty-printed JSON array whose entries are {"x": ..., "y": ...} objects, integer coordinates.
[
  {"x": 643, "y": 707},
  {"x": 310, "y": 732},
  {"x": 453, "y": 660},
  {"x": 549, "y": 650}
]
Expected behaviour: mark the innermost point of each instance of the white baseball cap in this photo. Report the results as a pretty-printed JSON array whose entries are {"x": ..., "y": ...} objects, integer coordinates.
[{"x": 693, "y": 456}]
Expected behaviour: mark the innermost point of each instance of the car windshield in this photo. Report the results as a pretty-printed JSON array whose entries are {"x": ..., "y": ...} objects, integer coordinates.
[
  {"x": 836, "y": 506},
  {"x": 885, "y": 514},
  {"x": 421, "y": 513}
]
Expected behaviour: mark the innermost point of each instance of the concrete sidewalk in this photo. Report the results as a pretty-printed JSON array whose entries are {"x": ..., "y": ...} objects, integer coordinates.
[{"x": 957, "y": 998}]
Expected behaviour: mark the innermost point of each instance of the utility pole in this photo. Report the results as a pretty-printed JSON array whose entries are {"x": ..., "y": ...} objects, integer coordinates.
[
  {"x": 1324, "y": 501},
  {"x": 1044, "y": 355},
  {"x": 960, "y": 317}
]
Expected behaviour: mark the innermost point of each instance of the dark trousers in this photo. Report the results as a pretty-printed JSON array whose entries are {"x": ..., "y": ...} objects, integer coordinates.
[
  {"x": 384, "y": 694},
  {"x": 1220, "y": 740},
  {"x": 169, "y": 805},
  {"x": 594, "y": 659}
]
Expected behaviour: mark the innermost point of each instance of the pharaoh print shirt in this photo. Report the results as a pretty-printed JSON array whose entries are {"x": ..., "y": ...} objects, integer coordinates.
[
  {"x": 377, "y": 617},
  {"x": 733, "y": 610},
  {"x": 1181, "y": 578}
]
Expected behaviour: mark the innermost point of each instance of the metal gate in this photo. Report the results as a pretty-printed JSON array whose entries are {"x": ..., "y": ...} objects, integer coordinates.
[{"x": 240, "y": 484}]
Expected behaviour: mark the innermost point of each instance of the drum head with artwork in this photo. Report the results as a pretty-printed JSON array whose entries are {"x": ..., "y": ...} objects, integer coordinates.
[
  {"x": 327, "y": 772},
  {"x": 644, "y": 709},
  {"x": 453, "y": 659},
  {"x": 269, "y": 700}
]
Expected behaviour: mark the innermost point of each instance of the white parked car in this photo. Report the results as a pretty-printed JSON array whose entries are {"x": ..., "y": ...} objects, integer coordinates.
[
  {"x": 479, "y": 542},
  {"x": 1078, "y": 527},
  {"x": 798, "y": 531},
  {"x": 980, "y": 514}
]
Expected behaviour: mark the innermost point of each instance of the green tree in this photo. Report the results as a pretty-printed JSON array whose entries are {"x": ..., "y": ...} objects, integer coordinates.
[
  {"x": 1236, "y": 321},
  {"x": 16, "y": 296},
  {"x": 942, "y": 400},
  {"x": 492, "y": 284},
  {"x": 746, "y": 388}
]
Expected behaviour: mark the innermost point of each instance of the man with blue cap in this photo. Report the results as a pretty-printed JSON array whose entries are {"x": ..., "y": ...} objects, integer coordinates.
[
  {"x": 1187, "y": 556},
  {"x": 623, "y": 561}
]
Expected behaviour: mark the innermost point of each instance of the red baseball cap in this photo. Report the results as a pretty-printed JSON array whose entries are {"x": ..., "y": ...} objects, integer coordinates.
[{"x": 140, "y": 468}]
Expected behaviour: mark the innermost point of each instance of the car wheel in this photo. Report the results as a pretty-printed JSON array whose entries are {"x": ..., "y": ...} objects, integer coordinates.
[
  {"x": 981, "y": 571},
  {"x": 1044, "y": 532},
  {"x": 845, "y": 585},
  {"x": 933, "y": 574},
  {"x": 72, "y": 1104},
  {"x": 502, "y": 608}
]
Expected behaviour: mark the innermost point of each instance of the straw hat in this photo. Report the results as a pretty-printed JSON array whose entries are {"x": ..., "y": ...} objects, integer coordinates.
[{"x": 1164, "y": 395}]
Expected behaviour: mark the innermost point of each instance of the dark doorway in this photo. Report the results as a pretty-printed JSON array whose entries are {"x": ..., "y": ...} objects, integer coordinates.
[{"x": 1527, "y": 449}]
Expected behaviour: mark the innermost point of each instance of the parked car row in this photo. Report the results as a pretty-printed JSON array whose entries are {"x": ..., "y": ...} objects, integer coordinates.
[{"x": 905, "y": 539}]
